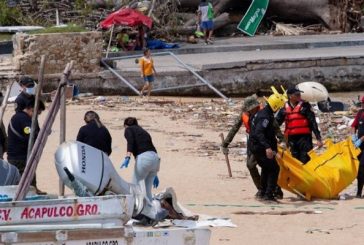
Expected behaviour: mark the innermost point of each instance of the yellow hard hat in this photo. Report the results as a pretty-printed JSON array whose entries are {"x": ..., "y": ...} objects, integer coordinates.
[
  {"x": 276, "y": 101},
  {"x": 275, "y": 91}
]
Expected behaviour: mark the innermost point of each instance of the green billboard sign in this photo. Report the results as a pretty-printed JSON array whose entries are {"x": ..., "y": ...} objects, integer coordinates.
[{"x": 252, "y": 18}]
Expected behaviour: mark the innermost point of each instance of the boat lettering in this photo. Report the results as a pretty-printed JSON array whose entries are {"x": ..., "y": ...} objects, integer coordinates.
[
  {"x": 63, "y": 211},
  {"x": 111, "y": 242},
  {"x": 5, "y": 214},
  {"x": 83, "y": 158}
]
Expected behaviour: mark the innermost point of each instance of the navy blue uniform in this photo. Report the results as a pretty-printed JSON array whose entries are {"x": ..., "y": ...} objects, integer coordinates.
[
  {"x": 262, "y": 136},
  {"x": 98, "y": 137},
  {"x": 22, "y": 100},
  {"x": 18, "y": 136}
]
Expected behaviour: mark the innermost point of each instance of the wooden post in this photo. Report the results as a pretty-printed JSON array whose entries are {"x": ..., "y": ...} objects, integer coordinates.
[
  {"x": 108, "y": 46},
  {"x": 36, "y": 105},
  {"x": 62, "y": 116},
  {"x": 226, "y": 157}
]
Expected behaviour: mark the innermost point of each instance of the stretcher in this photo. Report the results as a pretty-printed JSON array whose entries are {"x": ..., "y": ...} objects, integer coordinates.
[{"x": 324, "y": 176}]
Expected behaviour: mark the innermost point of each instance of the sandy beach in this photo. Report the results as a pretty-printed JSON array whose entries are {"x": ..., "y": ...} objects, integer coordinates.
[{"x": 186, "y": 132}]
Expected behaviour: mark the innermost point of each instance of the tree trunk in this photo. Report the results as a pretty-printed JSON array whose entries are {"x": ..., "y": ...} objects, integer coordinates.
[
  {"x": 335, "y": 14},
  {"x": 221, "y": 21}
]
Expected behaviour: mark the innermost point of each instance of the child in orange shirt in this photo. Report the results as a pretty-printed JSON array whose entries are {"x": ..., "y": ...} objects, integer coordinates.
[{"x": 147, "y": 71}]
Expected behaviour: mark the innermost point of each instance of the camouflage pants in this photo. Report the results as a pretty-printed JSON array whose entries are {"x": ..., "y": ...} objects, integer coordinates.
[{"x": 251, "y": 163}]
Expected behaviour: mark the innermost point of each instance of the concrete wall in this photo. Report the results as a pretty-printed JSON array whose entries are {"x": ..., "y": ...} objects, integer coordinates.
[
  {"x": 337, "y": 74},
  {"x": 59, "y": 48}
]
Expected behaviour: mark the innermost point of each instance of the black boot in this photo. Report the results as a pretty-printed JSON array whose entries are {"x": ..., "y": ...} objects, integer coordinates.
[
  {"x": 360, "y": 189},
  {"x": 259, "y": 195},
  {"x": 278, "y": 193},
  {"x": 269, "y": 197}
]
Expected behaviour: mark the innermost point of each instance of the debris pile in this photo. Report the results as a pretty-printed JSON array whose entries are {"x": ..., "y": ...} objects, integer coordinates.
[
  {"x": 45, "y": 13},
  {"x": 297, "y": 30},
  {"x": 174, "y": 18},
  {"x": 218, "y": 116}
]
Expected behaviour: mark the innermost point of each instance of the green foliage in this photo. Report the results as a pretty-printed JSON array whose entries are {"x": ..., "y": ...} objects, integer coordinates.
[
  {"x": 8, "y": 16},
  {"x": 54, "y": 29}
]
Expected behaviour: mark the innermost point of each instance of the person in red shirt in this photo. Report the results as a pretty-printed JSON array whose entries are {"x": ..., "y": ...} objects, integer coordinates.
[{"x": 357, "y": 129}]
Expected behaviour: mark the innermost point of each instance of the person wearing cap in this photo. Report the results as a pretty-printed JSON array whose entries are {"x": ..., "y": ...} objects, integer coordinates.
[
  {"x": 94, "y": 133},
  {"x": 263, "y": 144},
  {"x": 28, "y": 89},
  {"x": 19, "y": 130},
  {"x": 300, "y": 122},
  {"x": 251, "y": 105},
  {"x": 357, "y": 130}
]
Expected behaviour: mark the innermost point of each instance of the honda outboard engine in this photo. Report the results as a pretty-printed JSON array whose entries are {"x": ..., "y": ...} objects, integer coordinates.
[
  {"x": 91, "y": 167},
  {"x": 9, "y": 174}
]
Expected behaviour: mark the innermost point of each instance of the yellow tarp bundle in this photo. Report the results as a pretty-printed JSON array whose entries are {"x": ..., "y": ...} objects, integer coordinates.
[{"x": 324, "y": 176}]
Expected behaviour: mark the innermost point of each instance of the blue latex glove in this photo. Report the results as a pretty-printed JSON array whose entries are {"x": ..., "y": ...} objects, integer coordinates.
[
  {"x": 354, "y": 138},
  {"x": 358, "y": 143},
  {"x": 125, "y": 163},
  {"x": 156, "y": 182}
]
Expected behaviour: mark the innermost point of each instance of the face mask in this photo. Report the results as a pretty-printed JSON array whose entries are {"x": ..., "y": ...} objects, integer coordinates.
[{"x": 30, "y": 90}]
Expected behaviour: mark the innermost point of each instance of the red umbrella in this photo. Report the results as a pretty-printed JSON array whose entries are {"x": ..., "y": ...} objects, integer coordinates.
[{"x": 126, "y": 16}]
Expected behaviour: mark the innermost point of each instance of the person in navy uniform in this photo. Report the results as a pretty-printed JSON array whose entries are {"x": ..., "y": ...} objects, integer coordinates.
[
  {"x": 262, "y": 143},
  {"x": 28, "y": 90},
  {"x": 19, "y": 130}
]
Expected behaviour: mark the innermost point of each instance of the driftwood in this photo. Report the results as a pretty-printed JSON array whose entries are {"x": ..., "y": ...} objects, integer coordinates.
[
  {"x": 219, "y": 22},
  {"x": 290, "y": 30}
]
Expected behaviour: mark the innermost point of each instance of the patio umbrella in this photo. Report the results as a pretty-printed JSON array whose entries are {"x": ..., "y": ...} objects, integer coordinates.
[{"x": 126, "y": 17}]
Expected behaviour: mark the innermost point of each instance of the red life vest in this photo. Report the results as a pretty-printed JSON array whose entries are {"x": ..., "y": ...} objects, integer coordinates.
[{"x": 296, "y": 123}]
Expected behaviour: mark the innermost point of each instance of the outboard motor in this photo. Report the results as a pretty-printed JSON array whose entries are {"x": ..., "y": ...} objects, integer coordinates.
[
  {"x": 76, "y": 161},
  {"x": 9, "y": 174}
]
